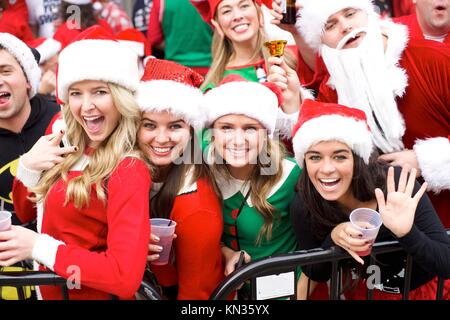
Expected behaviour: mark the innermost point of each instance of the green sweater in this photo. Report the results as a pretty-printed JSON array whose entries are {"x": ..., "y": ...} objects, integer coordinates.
[
  {"x": 187, "y": 37},
  {"x": 249, "y": 221}
]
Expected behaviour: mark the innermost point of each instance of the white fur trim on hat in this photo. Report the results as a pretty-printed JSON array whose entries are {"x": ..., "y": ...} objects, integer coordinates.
[
  {"x": 175, "y": 97},
  {"x": 433, "y": 156},
  {"x": 102, "y": 60},
  {"x": 49, "y": 48},
  {"x": 25, "y": 58},
  {"x": 333, "y": 128},
  {"x": 138, "y": 47},
  {"x": 251, "y": 99},
  {"x": 315, "y": 14}
]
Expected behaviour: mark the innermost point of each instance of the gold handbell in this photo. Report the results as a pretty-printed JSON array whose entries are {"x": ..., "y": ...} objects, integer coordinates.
[{"x": 276, "y": 47}]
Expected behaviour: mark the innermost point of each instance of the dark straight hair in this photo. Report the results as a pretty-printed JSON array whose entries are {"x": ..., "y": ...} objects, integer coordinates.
[
  {"x": 162, "y": 203},
  {"x": 324, "y": 214}
]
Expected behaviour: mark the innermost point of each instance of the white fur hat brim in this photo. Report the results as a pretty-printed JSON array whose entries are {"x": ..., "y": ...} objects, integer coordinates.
[
  {"x": 25, "y": 58},
  {"x": 315, "y": 14},
  {"x": 102, "y": 60},
  {"x": 251, "y": 99},
  {"x": 49, "y": 48},
  {"x": 175, "y": 97},
  {"x": 333, "y": 128}
]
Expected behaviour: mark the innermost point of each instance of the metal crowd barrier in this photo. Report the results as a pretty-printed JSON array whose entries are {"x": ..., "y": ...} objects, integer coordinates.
[
  {"x": 288, "y": 262},
  {"x": 263, "y": 267},
  {"x": 20, "y": 279}
]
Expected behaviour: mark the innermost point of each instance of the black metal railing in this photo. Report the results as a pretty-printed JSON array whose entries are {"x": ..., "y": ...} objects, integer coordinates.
[
  {"x": 263, "y": 267},
  {"x": 20, "y": 279},
  {"x": 288, "y": 262}
]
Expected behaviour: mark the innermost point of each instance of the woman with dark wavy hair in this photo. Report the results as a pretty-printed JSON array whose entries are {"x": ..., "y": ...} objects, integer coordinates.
[{"x": 340, "y": 174}]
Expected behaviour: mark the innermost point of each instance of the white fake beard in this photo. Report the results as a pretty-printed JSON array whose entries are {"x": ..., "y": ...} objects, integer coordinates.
[{"x": 364, "y": 79}]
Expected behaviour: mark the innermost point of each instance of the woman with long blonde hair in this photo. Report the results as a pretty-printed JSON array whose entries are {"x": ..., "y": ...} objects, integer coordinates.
[
  {"x": 255, "y": 178},
  {"x": 92, "y": 196},
  {"x": 238, "y": 41}
]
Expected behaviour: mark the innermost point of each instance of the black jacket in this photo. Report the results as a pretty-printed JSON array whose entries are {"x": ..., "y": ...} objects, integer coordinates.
[
  {"x": 427, "y": 242},
  {"x": 13, "y": 145}
]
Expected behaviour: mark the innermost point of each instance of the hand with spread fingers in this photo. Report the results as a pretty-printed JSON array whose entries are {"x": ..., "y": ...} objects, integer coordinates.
[
  {"x": 398, "y": 210},
  {"x": 46, "y": 152}
]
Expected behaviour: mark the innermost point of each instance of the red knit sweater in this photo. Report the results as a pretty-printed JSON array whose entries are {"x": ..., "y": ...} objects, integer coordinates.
[
  {"x": 198, "y": 265},
  {"x": 108, "y": 245}
]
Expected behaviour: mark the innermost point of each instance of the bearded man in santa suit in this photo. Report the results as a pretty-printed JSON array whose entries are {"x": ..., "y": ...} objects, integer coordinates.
[{"x": 402, "y": 86}]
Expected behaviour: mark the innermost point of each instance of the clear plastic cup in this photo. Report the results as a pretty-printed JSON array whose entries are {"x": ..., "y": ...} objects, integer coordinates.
[
  {"x": 164, "y": 229},
  {"x": 5, "y": 220},
  {"x": 368, "y": 222}
]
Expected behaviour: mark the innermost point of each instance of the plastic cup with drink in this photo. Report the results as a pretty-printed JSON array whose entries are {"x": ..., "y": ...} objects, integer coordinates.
[
  {"x": 368, "y": 222},
  {"x": 164, "y": 229},
  {"x": 5, "y": 220}
]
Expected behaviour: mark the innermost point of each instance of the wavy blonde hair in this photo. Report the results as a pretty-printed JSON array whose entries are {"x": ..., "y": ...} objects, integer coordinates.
[
  {"x": 222, "y": 50},
  {"x": 121, "y": 143},
  {"x": 261, "y": 181}
]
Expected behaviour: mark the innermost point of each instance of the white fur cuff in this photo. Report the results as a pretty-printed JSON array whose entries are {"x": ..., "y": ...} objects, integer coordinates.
[
  {"x": 44, "y": 250},
  {"x": 433, "y": 156},
  {"x": 28, "y": 177}
]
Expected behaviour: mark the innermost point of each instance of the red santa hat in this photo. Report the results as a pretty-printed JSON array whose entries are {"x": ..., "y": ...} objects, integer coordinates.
[
  {"x": 235, "y": 95},
  {"x": 25, "y": 57},
  {"x": 95, "y": 55},
  {"x": 207, "y": 8},
  {"x": 331, "y": 122},
  {"x": 47, "y": 47},
  {"x": 315, "y": 13},
  {"x": 169, "y": 86},
  {"x": 135, "y": 40}
]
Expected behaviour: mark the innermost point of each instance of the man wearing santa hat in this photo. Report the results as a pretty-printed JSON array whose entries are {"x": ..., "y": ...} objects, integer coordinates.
[
  {"x": 401, "y": 85},
  {"x": 24, "y": 115}
]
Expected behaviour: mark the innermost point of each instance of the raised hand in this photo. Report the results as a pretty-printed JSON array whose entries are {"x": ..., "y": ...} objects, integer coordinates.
[
  {"x": 399, "y": 209},
  {"x": 46, "y": 153},
  {"x": 287, "y": 80}
]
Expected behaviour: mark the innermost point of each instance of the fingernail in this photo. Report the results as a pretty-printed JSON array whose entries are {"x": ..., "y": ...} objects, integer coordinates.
[
  {"x": 75, "y": 148},
  {"x": 360, "y": 235},
  {"x": 156, "y": 238},
  {"x": 160, "y": 248},
  {"x": 61, "y": 131}
]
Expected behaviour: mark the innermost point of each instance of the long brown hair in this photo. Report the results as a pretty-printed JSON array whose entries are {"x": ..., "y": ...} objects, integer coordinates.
[{"x": 191, "y": 167}]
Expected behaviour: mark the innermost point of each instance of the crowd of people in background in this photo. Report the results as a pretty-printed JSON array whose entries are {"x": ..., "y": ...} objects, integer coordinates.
[{"x": 178, "y": 110}]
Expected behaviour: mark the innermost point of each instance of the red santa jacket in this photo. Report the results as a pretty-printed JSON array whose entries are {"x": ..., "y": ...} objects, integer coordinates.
[
  {"x": 198, "y": 267},
  {"x": 415, "y": 32},
  {"x": 425, "y": 107},
  {"x": 105, "y": 246}
]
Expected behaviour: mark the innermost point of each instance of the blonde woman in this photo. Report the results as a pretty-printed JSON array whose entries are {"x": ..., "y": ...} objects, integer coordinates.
[
  {"x": 254, "y": 176},
  {"x": 238, "y": 40},
  {"x": 92, "y": 197}
]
